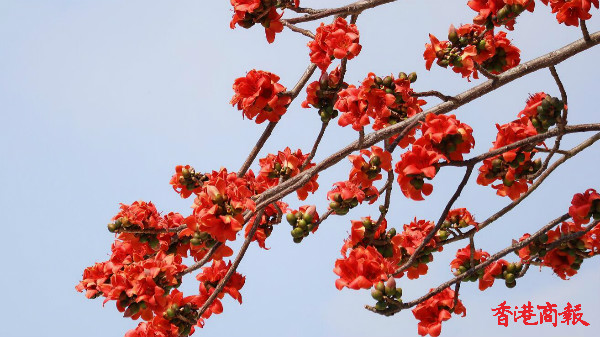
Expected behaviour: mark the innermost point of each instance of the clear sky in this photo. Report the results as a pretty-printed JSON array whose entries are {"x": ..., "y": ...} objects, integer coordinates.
[{"x": 99, "y": 100}]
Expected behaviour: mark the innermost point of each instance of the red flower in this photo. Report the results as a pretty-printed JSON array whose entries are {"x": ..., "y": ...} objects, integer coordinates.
[
  {"x": 345, "y": 195},
  {"x": 211, "y": 276},
  {"x": 364, "y": 172},
  {"x": 353, "y": 108},
  {"x": 584, "y": 205},
  {"x": 285, "y": 165},
  {"x": 249, "y": 12},
  {"x": 186, "y": 181},
  {"x": 460, "y": 218},
  {"x": 413, "y": 167},
  {"x": 218, "y": 210},
  {"x": 570, "y": 11},
  {"x": 433, "y": 311},
  {"x": 337, "y": 40},
  {"x": 362, "y": 268},
  {"x": 488, "y": 11},
  {"x": 490, "y": 273},
  {"x": 447, "y": 135},
  {"x": 259, "y": 95}
]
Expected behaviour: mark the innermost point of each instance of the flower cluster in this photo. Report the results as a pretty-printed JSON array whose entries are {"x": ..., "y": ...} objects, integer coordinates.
[
  {"x": 186, "y": 181},
  {"x": 260, "y": 95},
  {"x": 486, "y": 276},
  {"x": 246, "y": 13},
  {"x": 585, "y": 206},
  {"x": 443, "y": 137},
  {"x": 436, "y": 309},
  {"x": 470, "y": 45},
  {"x": 387, "y": 101},
  {"x": 570, "y": 12},
  {"x": 362, "y": 268},
  {"x": 495, "y": 13},
  {"x": 322, "y": 94},
  {"x": 512, "y": 167},
  {"x": 456, "y": 219},
  {"x": 565, "y": 258},
  {"x": 543, "y": 110},
  {"x": 337, "y": 40},
  {"x": 411, "y": 237},
  {"x": 287, "y": 164},
  {"x": 303, "y": 221}
]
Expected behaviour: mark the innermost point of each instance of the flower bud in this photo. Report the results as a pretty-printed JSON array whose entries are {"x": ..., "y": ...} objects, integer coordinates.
[
  {"x": 380, "y": 286},
  {"x": 511, "y": 284},
  {"x": 452, "y": 35},
  {"x": 376, "y": 294},
  {"x": 291, "y": 218},
  {"x": 112, "y": 227},
  {"x": 402, "y": 76},
  {"x": 392, "y": 232},
  {"x": 324, "y": 81},
  {"x": 412, "y": 77},
  {"x": 297, "y": 232},
  {"x": 298, "y": 240},
  {"x": 510, "y": 277},
  {"x": 387, "y": 81}
]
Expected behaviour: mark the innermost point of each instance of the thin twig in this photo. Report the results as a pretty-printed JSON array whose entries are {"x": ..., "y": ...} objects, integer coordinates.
[
  {"x": 584, "y": 31},
  {"x": 202, "y": 261},
  {"x": 234, "y": 266},
  {"x": 437, "y": 227},
  {"x": 562, "y": 122},
  {"x": 532, "y": 188},
  {"x": 485, "y": 73},
  {"x": 433, "y": 93},
  {"x": 151, "y": 231},
  {"x": 315, "y": 146},
  {"x": 297, "y": 29},
  {"x": 256, "y": 149},
  {"x": 352, "y": 8},
  {"x": 514, "y": 247},
  {"x": 508, "y": 76},
  {"x": 472, "y": 248}
]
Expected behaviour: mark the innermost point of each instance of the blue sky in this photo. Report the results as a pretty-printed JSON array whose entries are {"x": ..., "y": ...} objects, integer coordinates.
[{"x": 99, "y": 100}]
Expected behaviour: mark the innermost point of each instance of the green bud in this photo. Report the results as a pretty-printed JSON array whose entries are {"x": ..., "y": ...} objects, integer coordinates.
[
  {"x": 507, "y": 183},
  {"x": 376, "y": 294},
  {"x": 512, "y": 268},
  {"x": 378, "y": 80},
  {"x": 388, "y": 251},
  {"x": 481, "y": 45},
  {"x": 462, "y": 269},
  {"x": 291, "y": 218},
  {"x": 452, "y": 35},
  {"x": 412, "y": 77},
  {"x": 402, "y": 76},
  {"x": 307, "y": 217},
  {"x": 576, "y": 266},
  {"x": 342, "y": 211},
  {"x": 442, "y": 235},
  {"x": 510, "y": 278},
  {"x": 503, "y": 12},
  {"x": 334, "y": 205},
  {"x": 297, "y": 232},
  {"x": 519, "y": 267},
  {"x": 298, "y": 240},
  {"x": 112, "y": 227},
  {"x": 398, "y": 293},
  {"x": 511, "y": 284},
  {"x": 389, "y": 291},
  {"x": 195, "y": 242},
  {"x": 387, "y": 81},
  {"x": 543, "y": 238},
  {"x": 392, "y": 232},
  {"x": 302, "y": 224},
  {"x": 375, "y": 161}
]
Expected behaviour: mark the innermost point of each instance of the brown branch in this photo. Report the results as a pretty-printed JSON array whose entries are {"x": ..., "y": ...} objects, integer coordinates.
[
  {"x": 562, "y": 122},
  {"x": 202, "y": 261},
  {"x": 508, "y": 76},
  {"x": 532, "y": 188},
  {"x": 388, "y": 197},
  {"x": 433, "y": 93},
  {"x": 584, "y": 31},
  {"x": 473, "y": 269},
  {"x": 541, "y": 149},
  {"x": 456, "y": 289},
  {"x": 527, "y": 141},
  {"x": 315, "y": 145},
  {"x": 304, "y": 10},
  {"x": 259, "y": 144},
  {"x": 352, "y": 8},
  {"x": 152, "y": 231},
  {"x": 437, "y": 227},
  {"x": 485, "y": 73},
  {"x": 297, "y": 29},
  {"x": 234, "y": 266}
]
